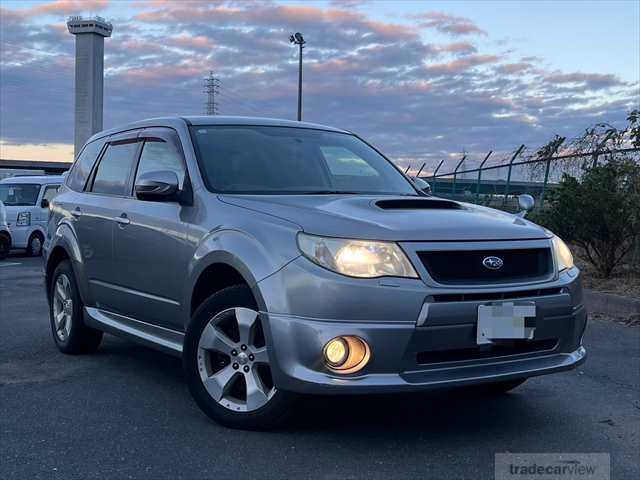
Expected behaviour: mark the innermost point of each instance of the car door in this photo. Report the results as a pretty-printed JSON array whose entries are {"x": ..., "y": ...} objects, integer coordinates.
[
  {"x": 150, "y": 246},
  {"x": 48, "y": 192},
  {"x": 103, "y": 200}
]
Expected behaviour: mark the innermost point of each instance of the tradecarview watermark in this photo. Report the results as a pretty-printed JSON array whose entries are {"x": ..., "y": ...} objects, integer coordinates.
[{"x": 548, "y": 466}]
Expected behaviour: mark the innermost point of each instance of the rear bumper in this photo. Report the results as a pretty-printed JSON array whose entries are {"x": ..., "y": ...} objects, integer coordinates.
[{"x": 398, "y": 353}]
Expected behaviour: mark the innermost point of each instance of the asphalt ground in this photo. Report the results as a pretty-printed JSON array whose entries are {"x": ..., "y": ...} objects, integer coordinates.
[{"x": 125, "y": 412}]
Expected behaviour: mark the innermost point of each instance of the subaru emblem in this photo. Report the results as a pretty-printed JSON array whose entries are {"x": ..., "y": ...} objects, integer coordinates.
[{"x": 492, "y": 263}]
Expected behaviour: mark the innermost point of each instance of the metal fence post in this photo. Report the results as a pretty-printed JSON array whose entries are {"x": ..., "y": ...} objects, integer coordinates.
[
  {"x": 480, "y": 175},
  {"x": 455, "y": 175},
  {"x": 546, "y": 179},
  {"x": 548, "y": 167},
  {"x": 506, "y": 190},
  {"x": 433, "y": 177}
]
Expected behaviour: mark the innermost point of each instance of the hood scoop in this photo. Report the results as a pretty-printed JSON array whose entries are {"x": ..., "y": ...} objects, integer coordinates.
[{"x": 418, "y": 204}]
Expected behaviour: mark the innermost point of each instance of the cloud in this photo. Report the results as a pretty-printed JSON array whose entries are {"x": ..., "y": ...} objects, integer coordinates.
[
  {"x": 462, "y": 64},
  {"x": 65, "y": 7},
  {"x": 449, "y": 24},
  {"x": 590, "y": 80},
  {"x": 513, "y": 68},
  {"x": 416, "y": 99}
]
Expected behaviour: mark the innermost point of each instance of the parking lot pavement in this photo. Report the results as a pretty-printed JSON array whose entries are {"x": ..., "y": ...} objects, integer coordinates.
[{"x": 125, "y": 413}]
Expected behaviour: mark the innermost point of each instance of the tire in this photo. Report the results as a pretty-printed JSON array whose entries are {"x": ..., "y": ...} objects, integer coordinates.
[
  {"x": 5, "y": 246},
  {"x": 34, "y": 245},
  {"x": 225, "y": 362},
  {"x": 497, "y": 388},
  {"x": 69, "y": 331}
]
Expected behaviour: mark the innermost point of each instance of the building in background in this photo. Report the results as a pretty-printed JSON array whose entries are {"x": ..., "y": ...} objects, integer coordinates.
[{"x": 89, "y": 79}]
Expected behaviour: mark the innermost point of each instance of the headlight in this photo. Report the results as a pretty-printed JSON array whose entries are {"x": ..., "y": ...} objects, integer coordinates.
[
  {"x": 562, "y": 253},
  {"x": 357, "y": 258},
  {"x": 24, "y": 219}
]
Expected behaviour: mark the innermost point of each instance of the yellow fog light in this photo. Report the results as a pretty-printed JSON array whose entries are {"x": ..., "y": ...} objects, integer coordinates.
[
  {"x": 336, "y": 352},
  {"x": 346, "y": 354}
]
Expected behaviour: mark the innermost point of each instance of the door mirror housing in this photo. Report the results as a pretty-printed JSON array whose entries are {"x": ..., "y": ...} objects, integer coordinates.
[
  {"x": 422, "y": 185},
  {"x": 44, "y": 203},
  {"x": 158, "y": 186},
  {"x": 526, "y": 203}
]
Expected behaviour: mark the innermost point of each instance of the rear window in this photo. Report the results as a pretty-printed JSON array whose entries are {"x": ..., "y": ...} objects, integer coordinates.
[{"x": 82, "y": 168}]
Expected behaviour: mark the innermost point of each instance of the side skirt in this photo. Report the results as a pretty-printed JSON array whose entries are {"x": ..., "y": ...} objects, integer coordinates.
[{"x": 160, "y": 338}]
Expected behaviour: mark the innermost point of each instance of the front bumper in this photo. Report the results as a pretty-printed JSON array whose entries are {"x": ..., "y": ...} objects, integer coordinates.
[
  {"x": 409, "y": 351},
  {"x": 397, "y": 350}
]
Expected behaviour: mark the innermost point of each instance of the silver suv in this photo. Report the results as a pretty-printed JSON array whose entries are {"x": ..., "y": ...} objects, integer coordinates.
[{"x": 279, "y": 258}]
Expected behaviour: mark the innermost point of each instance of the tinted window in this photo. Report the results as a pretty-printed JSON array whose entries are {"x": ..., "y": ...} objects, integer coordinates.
[
  {"x": 82, "y": 168},
  {"x": 280, "y": 160},
  {"x": 19, "y": 194},
  {"x": 114, "y": 169},
  {"x": 50, "y": 191},
  {"x": 158, "y": 155}
]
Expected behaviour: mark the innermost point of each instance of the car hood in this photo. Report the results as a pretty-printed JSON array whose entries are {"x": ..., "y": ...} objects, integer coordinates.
[{"x": 391, "y": 218}]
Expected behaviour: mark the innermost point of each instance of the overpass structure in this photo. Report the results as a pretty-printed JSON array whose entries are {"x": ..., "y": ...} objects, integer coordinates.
[{"x": 9, "y": 168}]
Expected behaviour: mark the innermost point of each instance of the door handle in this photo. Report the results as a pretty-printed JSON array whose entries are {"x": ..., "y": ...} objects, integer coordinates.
[
  {"x": 76, "y": 212},
  {"x": 123, "y": 220}
]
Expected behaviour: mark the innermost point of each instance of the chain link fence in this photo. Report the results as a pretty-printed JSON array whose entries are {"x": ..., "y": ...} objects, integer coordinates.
[{"x": 498, "y": 184}]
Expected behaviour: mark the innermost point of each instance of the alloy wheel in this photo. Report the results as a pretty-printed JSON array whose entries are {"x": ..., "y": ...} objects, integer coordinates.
[
  {"x": 62, "y": 307},
  {"x": 233, "y": 362}
]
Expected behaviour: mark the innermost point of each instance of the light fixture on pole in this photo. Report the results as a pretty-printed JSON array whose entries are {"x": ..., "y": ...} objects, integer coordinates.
[{"x": 297, "y": 39}]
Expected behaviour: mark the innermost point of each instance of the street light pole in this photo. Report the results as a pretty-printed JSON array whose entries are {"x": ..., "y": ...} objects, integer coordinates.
[{"x": 297, "y": 39}]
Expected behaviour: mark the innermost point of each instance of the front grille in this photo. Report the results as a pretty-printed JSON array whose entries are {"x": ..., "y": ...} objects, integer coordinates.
[
  {"x": 488, "y": 296},
  {"x": 465, "y": 267},
  {"x": 503, "y": 349}
]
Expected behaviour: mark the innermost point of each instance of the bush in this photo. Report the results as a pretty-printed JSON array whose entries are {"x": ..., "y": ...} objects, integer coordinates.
[{"x": 600, "y": 213}]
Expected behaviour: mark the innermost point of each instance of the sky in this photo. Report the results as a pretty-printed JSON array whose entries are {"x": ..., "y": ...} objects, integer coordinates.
[{"x": 423, "y": 81}]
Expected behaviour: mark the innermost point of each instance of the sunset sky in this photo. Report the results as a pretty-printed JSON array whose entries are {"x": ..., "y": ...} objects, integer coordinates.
[{"x": 422, "y": 80}]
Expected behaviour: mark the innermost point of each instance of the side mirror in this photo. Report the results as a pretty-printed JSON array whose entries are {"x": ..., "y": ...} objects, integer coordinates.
[
  {"x": 44, "y": 203},
  {"x": 526, "y": 203},
  {"x": 157, "y": 186},
  {"x": 422, "y": 185}
]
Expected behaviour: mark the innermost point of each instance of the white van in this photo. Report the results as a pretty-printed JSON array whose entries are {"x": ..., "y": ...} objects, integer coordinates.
[
  {"x": 26, "y": 200},
  {"x": 5, "y": 235}
]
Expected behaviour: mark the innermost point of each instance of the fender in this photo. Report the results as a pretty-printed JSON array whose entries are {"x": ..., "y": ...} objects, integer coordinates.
[
  {"x": 65, "y": 237},
  {"x": 236, "y": 249}
]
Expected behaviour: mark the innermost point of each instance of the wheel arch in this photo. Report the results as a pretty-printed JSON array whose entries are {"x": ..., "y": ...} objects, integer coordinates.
[
  {"x": 244, "y": 256},
  {"x": 64, "y": 246},
  {"x": 217, "y": 271}
]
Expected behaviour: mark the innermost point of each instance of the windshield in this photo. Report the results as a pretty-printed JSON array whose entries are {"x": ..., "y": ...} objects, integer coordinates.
[
  {"x": 282, "y": 160},
  {"x": 19, "y": 194}
]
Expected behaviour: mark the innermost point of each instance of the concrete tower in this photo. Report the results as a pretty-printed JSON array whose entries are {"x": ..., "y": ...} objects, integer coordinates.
[{"x": 90, "y": 33}]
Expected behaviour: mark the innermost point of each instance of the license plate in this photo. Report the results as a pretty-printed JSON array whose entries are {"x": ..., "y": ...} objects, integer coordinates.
[{"x": 508, "y": 320}]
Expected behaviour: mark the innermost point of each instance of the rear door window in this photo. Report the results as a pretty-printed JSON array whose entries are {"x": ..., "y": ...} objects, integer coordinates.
[
  {"x": 114, "y": 169},
  {"x": 82, "y": 168}
]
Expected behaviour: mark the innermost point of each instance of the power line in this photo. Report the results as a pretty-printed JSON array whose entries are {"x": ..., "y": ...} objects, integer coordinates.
[
  {"x": 211, "y": 88},
  {"x": 234, "y": 100}
]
